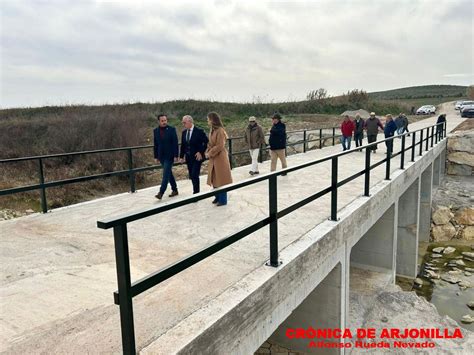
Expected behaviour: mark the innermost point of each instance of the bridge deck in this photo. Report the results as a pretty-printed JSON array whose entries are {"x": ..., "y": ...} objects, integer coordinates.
[{"x": 58, "y": 269}]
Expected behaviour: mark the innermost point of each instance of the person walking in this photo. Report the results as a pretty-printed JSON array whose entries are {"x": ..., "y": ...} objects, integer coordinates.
[
  {"x": 400, "y": 123},
  {"x": 347, "y": 128},
  {"x": 218, "y": 173},
  {"x": 359, "y": 130},
  {"x": 389, "y": 131},
  {"x": 254, "y": 138},
  {"x": 405, "y": 124},
  {"x": 277, "y": 142},
  {"x": 440, "y": 122},
  {"x": 372, "y": 125},
  {"x": 166, "y": 153},
  {"x": 193, "y": 147}
]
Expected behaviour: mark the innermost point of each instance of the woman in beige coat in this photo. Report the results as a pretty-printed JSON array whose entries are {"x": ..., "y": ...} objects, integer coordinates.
[{"x": 219, "y": 167}]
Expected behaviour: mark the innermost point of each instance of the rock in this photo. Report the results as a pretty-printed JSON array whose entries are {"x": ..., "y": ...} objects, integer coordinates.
[
  {"x": 449, "y": 250},
  {"x": 468, "y": 233},
  {"x": 468, "y": 259},
  {"x": 458, "y": 169},
  {"x": 29, "y": 211},
  {"x": 431, "y": 274},
  {"x": 442, "y": 215},
  {"x": 450, "y": 279},
  {"x": 443, "y": 232},
  {"x": 418, "y": 281},
  {"x": 462, "y": 141},
  {"x": 467, "y": 273},
  {"x": 465, "y": 283},
  {"x": 461, "y": 158},
  {"x": 436, "y": 256},
  {"x": 438, "y": 250},
  {"x": 469, "y": 269},
  {"x": 384, "y": 319},
  {"x": 468, "y": 319},
  {"x": 471, "y": 305},
  {"x": 455, "y": 272},
  {"x": 460, "y": 263},
  {"x": 465, "y": 216}
]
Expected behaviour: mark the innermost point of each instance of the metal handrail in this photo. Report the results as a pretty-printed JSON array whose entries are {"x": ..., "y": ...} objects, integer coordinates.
[
  {"x": 127, "y": 290},
  {"x": 131, "y": 171}
]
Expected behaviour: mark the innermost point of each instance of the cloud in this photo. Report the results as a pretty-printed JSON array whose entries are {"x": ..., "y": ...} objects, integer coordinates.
[{"x": 102, "y": 51}]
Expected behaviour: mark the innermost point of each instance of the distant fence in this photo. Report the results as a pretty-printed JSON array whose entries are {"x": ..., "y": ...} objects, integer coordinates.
[{"x": 43, "y": 185}]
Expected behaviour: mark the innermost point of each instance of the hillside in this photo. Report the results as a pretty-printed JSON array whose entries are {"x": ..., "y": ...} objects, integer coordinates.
[{"x": 425, "y": 91}]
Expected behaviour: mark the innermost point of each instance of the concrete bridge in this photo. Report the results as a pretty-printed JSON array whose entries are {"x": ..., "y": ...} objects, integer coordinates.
[{"x": 58, "y": 269}]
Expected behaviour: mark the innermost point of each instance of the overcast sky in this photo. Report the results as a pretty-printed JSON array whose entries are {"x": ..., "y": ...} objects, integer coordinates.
[{"x": 95, "y": 52}]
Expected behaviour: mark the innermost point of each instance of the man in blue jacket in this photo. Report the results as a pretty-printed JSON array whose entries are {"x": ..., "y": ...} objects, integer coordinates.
[
  {"x": 166, "y": 153},
  {"x": 277, "y": 142},
  {"x": 389, "y": 131},
  {"x": 193, "y": 146}
]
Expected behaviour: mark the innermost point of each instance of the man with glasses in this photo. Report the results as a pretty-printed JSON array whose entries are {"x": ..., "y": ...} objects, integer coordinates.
[{"x": 193, "y": 146}]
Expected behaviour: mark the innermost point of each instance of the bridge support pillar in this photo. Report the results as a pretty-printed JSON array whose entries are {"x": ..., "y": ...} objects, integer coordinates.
[
  {"x": 407, "y": 231},
  {"x": 437, "y": 171},
  {"x": 427, "y": 181}
]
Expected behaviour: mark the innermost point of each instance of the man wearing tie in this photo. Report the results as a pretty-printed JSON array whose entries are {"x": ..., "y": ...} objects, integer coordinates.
[
  {"x": 193, "y": 145},
  {"x": 166, "y": 153}
]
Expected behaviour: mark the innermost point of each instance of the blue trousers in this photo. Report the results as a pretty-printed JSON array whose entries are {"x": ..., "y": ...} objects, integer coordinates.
[
  {"x": 222, "y": 198},
  {"x": 168, "y": 176},
  {"x": 346, "y": 142}
]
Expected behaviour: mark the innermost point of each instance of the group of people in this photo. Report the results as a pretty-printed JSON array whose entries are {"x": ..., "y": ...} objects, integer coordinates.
[
  {"x": 196, "y": 147},
  {"x": 372, "y": 126},
  {"x": 255, "y": 139}
]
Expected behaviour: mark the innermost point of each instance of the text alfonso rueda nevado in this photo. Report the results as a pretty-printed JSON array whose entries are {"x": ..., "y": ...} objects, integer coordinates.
[{"x": 407, "y": 336}]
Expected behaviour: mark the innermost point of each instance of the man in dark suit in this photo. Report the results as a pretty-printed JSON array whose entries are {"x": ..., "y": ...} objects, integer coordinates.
[
  {"x": 166, "y": 153},
  {"x": 193, "y": 146}
]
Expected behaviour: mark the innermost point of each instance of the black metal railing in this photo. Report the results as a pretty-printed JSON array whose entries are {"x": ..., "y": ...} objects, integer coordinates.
[
  {"x": 43, "y": 185},
  {"x": 127, "y": 290}
]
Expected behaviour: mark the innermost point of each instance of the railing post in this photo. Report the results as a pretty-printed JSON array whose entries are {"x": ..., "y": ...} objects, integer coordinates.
[
  {"x": 436, "y": 135},
  {"x": 44, "y": 203},
  {"x": 131, "y": 174},
  {"x": 230, "y": 153},
  {"x": 427, "y": 138},
  {"x": 122, "y": 261},
  {"x": 413, "y": 141},
  {"x": 272, "y": 199},
  {"x": 387, "y": 164},
  {"x": 421, "y": 142},
  {"x": 333, "y": 135},
  {"x": 334, "y": 189},
  {"x": 445, "y": 129},
  {"x": 432, "y": 136},
  {"x": 304, "y": 141},
  {"x": 367, "y": 172},
  {"x": 260, "y": 154},
  {"x": 320, "y": 138},
  {"x": 402, "y": 154}
]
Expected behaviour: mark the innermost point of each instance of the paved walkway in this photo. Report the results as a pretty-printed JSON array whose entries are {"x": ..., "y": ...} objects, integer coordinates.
[{"x": 58, "y": 269}]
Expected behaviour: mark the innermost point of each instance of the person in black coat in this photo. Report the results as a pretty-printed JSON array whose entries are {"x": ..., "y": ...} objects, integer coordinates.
[
  {"x": 277, "y": 142},
  {"x": 193, "y": 146},
  {"x": 440, "y": 125},
  {"x": 166, "y": 153}
]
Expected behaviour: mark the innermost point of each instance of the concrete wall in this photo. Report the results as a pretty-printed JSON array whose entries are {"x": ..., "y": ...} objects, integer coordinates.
[
  {"x": 321, "y": 309},
  {"x": 375, "y": 250},
  {"x": 437, "y": 171},
  {"x": 407, "y": 231},
  {"x": 426, "y": 185}
]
